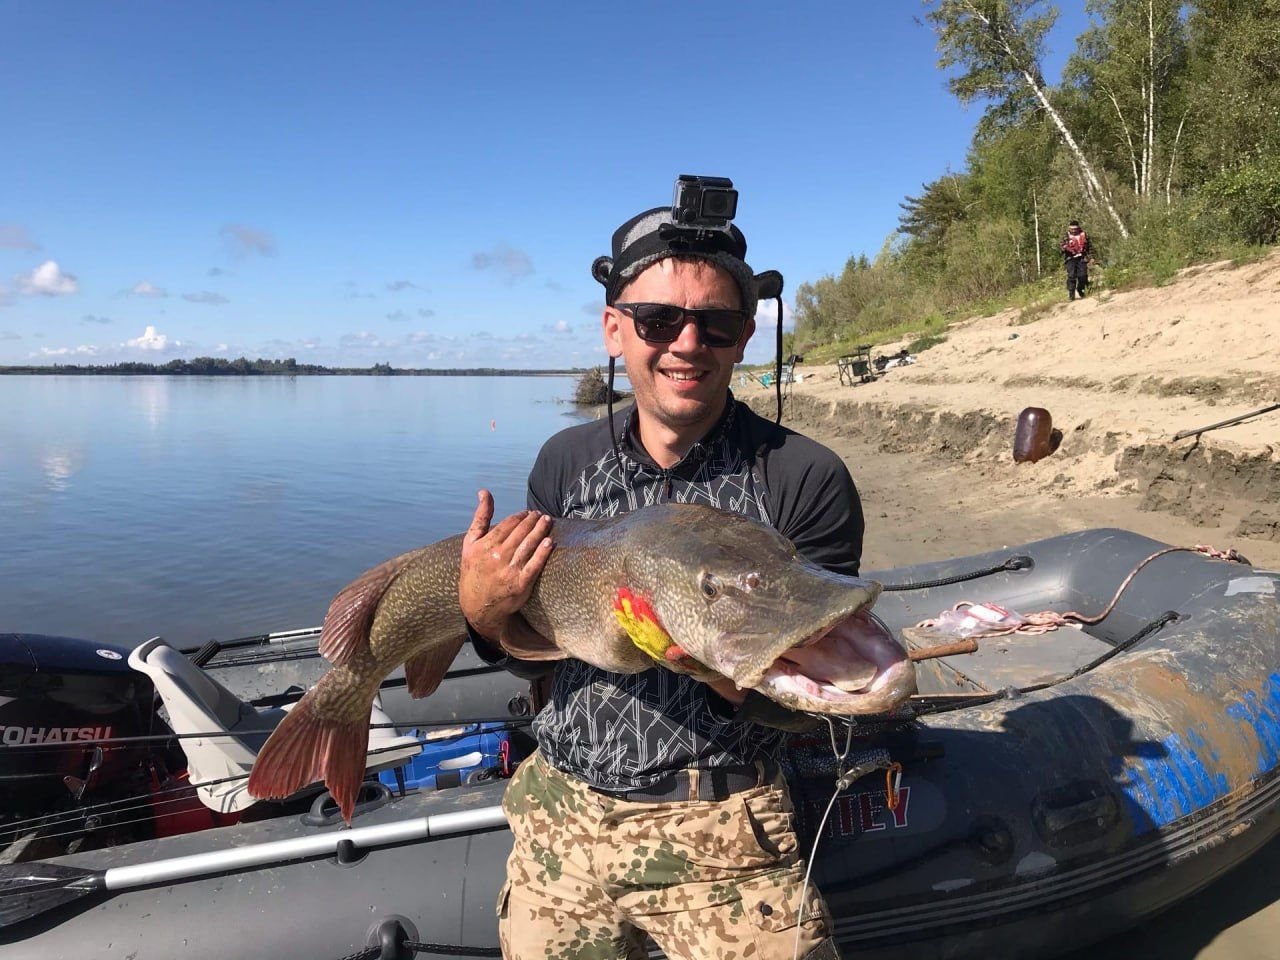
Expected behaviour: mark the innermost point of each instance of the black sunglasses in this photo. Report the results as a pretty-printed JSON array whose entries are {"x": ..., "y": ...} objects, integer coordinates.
[{"x": 663, "y": 322}]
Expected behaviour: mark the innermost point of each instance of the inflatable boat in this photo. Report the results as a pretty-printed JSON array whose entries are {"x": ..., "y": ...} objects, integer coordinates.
[{"x": 1073, "y": 776}]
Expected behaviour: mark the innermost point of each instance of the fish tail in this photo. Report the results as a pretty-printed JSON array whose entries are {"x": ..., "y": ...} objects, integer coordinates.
[{"x": 313, "y": 744}]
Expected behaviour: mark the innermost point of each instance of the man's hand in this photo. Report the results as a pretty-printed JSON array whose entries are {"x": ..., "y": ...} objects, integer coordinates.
[{"x": 500, "y": 566}]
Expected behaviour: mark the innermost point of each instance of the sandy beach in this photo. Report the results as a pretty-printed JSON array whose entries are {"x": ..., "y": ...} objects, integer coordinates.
[{"x": 930, "y": 447}]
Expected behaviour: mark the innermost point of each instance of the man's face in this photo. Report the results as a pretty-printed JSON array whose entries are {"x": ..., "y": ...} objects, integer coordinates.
[
  {"x": 680, "y": 384},
  {"x": 1073, "y": 228}
]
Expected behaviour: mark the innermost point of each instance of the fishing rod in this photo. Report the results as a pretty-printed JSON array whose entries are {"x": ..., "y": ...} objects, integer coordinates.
[{"x": 30, "y": 889}]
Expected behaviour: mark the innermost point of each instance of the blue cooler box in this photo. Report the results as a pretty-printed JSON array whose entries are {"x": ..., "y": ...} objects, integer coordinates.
[{"x": 449, "y": 761}]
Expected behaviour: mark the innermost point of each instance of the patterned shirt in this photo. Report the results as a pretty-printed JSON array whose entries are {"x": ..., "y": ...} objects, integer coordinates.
[{"x": 628, "y": 731}]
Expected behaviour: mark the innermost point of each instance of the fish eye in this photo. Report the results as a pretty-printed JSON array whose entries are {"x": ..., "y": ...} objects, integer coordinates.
[{"x": 710, "y": 586}]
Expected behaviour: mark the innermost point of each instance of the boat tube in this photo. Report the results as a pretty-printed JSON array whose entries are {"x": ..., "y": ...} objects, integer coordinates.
[{"x": 1038, "y": 795}]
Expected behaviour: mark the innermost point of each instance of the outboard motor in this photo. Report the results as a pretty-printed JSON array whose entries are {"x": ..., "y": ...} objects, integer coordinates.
[{"x": 58, "y": 698}]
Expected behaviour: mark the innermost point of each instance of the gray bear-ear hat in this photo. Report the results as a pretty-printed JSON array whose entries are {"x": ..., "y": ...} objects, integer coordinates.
[{"x": 642, "y": 241}]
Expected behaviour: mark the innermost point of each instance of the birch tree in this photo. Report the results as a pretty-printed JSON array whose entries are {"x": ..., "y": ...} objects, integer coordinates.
[
  {"x": 1131, "y": 62},
  {"x": 997, "y": 44}
]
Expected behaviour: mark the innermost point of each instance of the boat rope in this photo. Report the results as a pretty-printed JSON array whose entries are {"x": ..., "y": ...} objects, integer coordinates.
[
  {"x": 949, "y": 704},
  {"x": 1017, "y": 562},
  {"x": 1045, "y": 621}
]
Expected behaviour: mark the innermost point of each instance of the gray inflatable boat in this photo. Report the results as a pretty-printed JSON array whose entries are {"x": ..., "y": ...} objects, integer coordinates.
[{"x": 1039, "y": 794}]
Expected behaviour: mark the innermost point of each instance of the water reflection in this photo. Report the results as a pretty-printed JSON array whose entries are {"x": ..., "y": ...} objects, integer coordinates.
[
  {"x": 195, "y": 507},
  {"x": 151, "y": 396},
  {"x": 59, "y": 467}
]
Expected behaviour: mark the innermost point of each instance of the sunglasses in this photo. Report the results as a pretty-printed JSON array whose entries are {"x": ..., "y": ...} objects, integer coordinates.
[{"x": 663, "y": 323}]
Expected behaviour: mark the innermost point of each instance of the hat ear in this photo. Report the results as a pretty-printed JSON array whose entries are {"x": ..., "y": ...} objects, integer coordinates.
[
  {"x": 768, "y": 285},
  {"x": 602, "y": 269}
]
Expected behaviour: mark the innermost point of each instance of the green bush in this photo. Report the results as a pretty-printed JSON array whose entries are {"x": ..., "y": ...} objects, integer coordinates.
[
  {"x": 592, "y": 389},
  {"x": 1248, "y": 198}
]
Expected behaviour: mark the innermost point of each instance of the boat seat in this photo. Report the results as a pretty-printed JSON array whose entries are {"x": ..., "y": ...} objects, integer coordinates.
[{"x": 196, "y": 703}]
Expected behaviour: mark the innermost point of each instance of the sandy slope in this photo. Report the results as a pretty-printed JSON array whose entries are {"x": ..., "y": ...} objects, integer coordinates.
[{"x": 1120, "y": 375}]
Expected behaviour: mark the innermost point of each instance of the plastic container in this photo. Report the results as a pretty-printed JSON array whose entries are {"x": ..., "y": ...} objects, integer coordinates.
[
  {"x": 1033, "y": 439},
  {"x": 455, "y": 756}
]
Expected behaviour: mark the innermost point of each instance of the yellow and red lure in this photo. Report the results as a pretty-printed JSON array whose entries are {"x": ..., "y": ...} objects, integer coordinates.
[{"x": 640, "y": 622}]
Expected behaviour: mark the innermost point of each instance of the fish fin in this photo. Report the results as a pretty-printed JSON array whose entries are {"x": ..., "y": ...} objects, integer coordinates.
[
  {"x": 350, "y": 617},
  {"x": 532, "y": 646},
  {"x": 426, "y": 668},
  {"x": 308, "y": 747}
]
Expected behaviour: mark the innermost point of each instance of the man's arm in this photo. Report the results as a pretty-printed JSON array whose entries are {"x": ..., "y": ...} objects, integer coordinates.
[
  {"x": 498, "y": 570},
  {"x": 542, "y": 498}
]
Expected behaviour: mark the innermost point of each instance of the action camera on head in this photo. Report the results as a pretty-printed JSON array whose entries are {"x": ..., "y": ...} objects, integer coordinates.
[{"x": 703, "y": 201}]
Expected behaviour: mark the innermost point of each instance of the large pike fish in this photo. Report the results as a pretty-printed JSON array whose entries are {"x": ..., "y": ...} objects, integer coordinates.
[{"x": 679, "y": 586}]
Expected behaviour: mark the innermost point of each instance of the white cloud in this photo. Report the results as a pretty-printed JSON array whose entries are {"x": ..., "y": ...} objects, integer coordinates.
[
  {"x": 364, "y": 340},
  {"x": 243, "y": 241},
  {"x": 767, "y": 315},
  {"x": 145, "y": 288},
  {"x": 14, "y": 236},
  {"x": 48, "y": 280},
  {"x": 154, "y": 341},
  {"x": 507, "y": 262},
  {"x": 84, "y": 350},
  {"x": 206, "y": 296},
  {"x": 94, "y": 318}
]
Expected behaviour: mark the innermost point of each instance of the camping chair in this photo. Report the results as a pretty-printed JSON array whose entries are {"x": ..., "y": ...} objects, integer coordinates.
[{"x": 856, "y": 367}]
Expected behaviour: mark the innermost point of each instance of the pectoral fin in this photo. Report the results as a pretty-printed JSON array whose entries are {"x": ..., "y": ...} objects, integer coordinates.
[
  {"x": 426, "y": 668},
  {"x": 530, "y": 645}
]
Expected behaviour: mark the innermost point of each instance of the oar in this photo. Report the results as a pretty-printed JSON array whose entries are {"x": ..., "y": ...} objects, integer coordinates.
[{"x": 29, "y": 889}]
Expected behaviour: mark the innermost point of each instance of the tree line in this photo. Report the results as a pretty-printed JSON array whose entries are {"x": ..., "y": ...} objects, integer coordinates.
[
  {"x": 1163, "y": 138},
  {"x": 242, "y": 367}
]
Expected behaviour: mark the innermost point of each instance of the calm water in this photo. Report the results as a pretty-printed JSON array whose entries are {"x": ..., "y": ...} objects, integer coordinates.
[{"x": 194, "y": 508}]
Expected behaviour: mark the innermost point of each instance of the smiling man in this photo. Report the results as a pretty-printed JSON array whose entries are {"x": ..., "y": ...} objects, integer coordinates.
[{"x": 654, "y": 803}]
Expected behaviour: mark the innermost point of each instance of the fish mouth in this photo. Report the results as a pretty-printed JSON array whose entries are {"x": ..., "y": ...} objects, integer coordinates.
[{"x": 853, "y": 666}]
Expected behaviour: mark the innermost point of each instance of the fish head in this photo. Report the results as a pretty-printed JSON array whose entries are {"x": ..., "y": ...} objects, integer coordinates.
[{"x": 732, "y": 595}]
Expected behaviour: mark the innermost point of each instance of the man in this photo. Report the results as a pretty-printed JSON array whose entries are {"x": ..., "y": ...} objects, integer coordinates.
[
  {"x": 654, "y": 804},
  {"x": 1075, "y": 252}
]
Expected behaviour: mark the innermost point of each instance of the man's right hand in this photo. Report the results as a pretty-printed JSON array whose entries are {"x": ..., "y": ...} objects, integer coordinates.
[{"x": 500, "y": 566}]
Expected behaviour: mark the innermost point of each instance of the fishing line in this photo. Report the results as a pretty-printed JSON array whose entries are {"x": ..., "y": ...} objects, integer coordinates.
[
  {"x": 840, "y": 757},
  {"x": 149, "y": 800},
  {"x": 508, "y": 722}
]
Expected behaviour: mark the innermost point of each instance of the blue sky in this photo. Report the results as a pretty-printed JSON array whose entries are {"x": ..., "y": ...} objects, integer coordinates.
[{"x": 426, "y": 183}]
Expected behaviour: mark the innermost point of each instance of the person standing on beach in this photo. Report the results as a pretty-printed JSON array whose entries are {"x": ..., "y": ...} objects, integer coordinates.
[
  {"x": 1075, "y": 253},
  {"x": 654, "y": 803}
]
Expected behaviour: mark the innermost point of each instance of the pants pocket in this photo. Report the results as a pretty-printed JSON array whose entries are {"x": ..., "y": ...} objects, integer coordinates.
[{"x": 772, "y": 907}]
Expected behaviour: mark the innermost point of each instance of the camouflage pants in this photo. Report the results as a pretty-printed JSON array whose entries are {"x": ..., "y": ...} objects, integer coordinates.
[{"x": 590, "y": 875}]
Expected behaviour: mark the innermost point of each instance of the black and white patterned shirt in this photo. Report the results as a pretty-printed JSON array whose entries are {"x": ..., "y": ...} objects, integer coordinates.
[{"x": 628, "y": 731}]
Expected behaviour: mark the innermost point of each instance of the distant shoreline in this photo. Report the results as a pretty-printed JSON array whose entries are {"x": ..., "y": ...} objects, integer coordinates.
[{"x": 147, "y": 370}]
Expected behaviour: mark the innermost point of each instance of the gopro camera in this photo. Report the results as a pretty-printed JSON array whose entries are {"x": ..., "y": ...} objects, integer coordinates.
[{"x": 704, "y": 202}]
